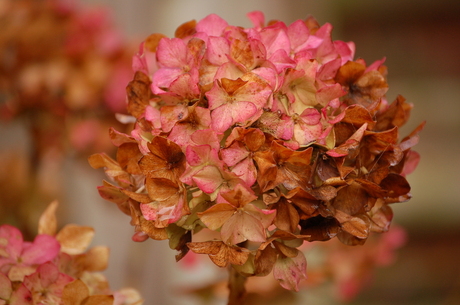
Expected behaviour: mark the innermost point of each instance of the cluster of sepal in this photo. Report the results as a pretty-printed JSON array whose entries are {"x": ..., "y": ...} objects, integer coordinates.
[
  {"x": 56, "y": 267},
  {"x": 271, "y": 135}
]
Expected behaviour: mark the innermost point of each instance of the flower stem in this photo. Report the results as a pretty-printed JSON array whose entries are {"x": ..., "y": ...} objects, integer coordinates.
[{"x": 236, "y": 286}]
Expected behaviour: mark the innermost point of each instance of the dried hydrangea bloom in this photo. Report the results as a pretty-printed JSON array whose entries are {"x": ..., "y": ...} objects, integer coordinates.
[
  {"x": 271, "y": 136},
  {"x": 56, "y": 267}
]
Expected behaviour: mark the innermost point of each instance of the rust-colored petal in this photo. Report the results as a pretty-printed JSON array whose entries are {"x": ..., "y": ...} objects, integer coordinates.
[
  {"x": 220, "y": 253},
  {"x": 351, "y": 199},
  {"x": 264, "y": 260},
  {"x": 138, "y": 92},
  {"x": 75, "y": 293}
]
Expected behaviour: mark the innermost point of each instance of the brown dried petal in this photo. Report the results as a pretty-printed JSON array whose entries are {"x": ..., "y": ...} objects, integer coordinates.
[
  {"x": 115, "y": 194},
  {"x": 285, "y": 250},
  {"x": 161, "y": 189},
  {"x": 138, "y": 92},
  {"x": 264, "y": 260},
  {"x": 358, "y": 115},
  {"x": 267, "y": 170},
  {"x": 351, "y": 199},
  {"x": 396, "y": 114},
  {"x": 396, "y": 185},
  {"x": 166, "y": 160},
  {"x": 99, "y": 300},
  {"x": 139, "y": 197},
  {"x": 186, "y": 29},
  {"x": 349, "y": 73},
  {"x": 372, "y": 85},
  {"x": 381, "y": 219},
  {"x": 153, "y": 232},
  {"x": 287, "y": 218},
  {"x": 320, "y": 228},
  {"x": 357, "y": 226},
  {"x": 96, "y": 259},
  {"x": 349, "y": 239},
  {"x": 220, "y": 253},
  {"x": 128, "y": 156},
  {"x": 75, "y": 293}
]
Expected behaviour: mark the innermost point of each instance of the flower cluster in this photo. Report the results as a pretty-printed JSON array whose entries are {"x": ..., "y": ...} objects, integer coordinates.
[
  {"x": 63, "y": 67},
  {"x": 56, "y": 268},
  {"x": 270, "y": 136}
]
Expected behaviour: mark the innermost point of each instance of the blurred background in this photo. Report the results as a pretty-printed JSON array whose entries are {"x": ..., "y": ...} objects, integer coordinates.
[{"x": 421, "y": 41}]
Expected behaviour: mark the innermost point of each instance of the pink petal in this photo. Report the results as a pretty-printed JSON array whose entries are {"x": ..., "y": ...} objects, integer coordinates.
[
  {"x": 217, "y": 50},
  {"x": 206, "y": 137},
  {"x": 13, "y": 242},
  {"x": 328, "y": 93},
  {"x": 221, "y": 119},
  {"x": 346, "y": 50},
  {"x": 172, "y": 53},
  {"x": 163, "y": 78},
  {"x": 233, "y": 154},
  {"x": 246, "y": 171},
  {"x": 281, "y": 60},
  {"x": 197, "y": 155},
  {"x": 213, "y": 25},
  {"x": 21, "y": 296},
  {"x": 311, "y": 116},
  {"x": 375, "y": 65},
  {"x": 275, "y": 39},
  {"x": 257, "y": 18},
  {"x": 44, "y": 248},
  {"x": 298, "y": 34},
  {"x": 149, "y": 211}
]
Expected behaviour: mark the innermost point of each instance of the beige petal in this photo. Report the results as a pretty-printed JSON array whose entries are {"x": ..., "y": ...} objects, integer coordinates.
[
  {"x": 47, "y": 224},
  {"x": 75, "y": 239},
  {"x": 74, "y": 293}
]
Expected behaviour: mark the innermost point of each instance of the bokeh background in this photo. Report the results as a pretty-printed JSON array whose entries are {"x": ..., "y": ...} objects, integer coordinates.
[{"x": 421, "y": 41}]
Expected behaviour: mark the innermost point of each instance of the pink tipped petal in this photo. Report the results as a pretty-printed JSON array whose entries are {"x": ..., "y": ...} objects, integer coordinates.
[{"x": 44, "y": 248}]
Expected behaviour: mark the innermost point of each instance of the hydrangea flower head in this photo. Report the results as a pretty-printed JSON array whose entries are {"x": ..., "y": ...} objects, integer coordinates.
[
  {"x": 271, "y": 136},
  {"x": 56, "y": 268}
]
